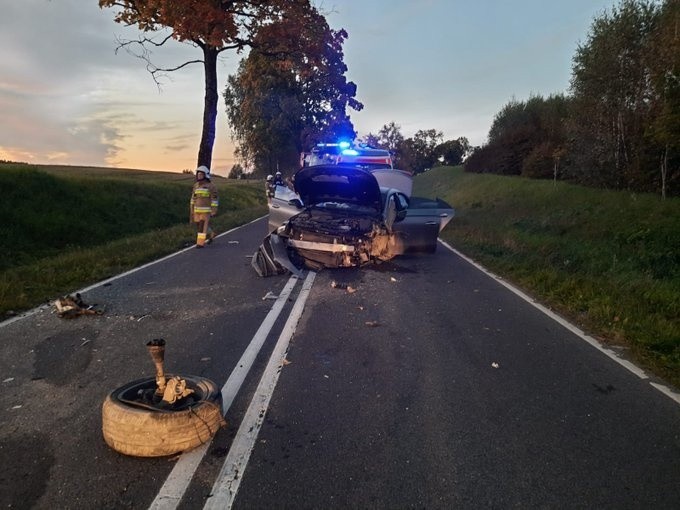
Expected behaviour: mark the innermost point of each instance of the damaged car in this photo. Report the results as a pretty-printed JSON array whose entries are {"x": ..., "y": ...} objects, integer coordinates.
[{"x": 341, "y": 216}]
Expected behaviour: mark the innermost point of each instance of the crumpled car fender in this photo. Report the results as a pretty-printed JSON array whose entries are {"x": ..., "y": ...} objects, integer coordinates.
[{"x": 271, "y": 258}]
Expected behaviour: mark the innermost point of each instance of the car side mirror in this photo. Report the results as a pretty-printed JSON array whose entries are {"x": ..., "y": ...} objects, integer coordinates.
[
  {"x": 401, "y": 204},
  {"x": 296, "y": 202}
]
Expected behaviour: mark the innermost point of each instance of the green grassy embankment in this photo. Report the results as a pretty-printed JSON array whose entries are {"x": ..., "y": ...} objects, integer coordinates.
[
  {"x": 62, "y": 228},
  {"x": 607, "y": 260}
]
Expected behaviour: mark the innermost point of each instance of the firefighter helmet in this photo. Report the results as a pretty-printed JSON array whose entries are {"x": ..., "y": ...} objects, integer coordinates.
[
  {"x": 270, "y": 177},
  {"x": 205, "y": 170}
]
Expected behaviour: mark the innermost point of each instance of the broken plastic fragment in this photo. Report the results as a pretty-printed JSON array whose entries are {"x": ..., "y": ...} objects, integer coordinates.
[
  {"x": 495, "y": 365},
  {"x": 393, "y": 279},
  {"x": 9, "y": 379},
  {"x": 270, "y": 295}
]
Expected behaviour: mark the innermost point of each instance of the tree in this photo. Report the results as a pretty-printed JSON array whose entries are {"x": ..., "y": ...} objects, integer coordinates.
[
  {"x": 612, "y": 96},
  {"x": 210, "y": 25},
  {"x": 236, "y": 172},
  {"x": 526, "y": 138},
  {"x": 371, "y": 140},
  {"x": 452, "y": 152},
  {"x": 281, "y": 104},
  {"x": 390, "y": 138},
  {"x": 664, "y": 129},
  {"x": 265, "y": 114},
  {"x": 418, "y": 154}
]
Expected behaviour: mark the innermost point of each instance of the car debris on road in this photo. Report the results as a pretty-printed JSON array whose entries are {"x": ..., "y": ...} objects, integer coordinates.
[{"x": 70, "y": 307}]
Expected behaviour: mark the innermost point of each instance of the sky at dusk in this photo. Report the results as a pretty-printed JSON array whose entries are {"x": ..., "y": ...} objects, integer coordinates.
[{"x": 66, "y": 97}]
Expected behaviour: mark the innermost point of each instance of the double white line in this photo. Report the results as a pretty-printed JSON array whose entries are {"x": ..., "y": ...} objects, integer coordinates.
[{"x": 227, "y": 482}]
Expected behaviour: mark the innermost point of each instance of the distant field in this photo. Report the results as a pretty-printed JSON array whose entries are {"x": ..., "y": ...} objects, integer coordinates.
[
  {"x": 65, "y": 227},
  {"x": 610, "y": 261}
]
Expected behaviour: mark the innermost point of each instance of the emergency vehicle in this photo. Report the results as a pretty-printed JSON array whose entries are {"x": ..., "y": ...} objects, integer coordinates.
[{"x": 343, "y": 153}]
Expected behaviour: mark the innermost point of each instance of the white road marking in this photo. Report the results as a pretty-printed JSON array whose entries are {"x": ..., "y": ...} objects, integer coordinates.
[
  {"x": 226, "y": 485},
  {"x": 574, "y": 329},
  {"x": 33, "y": 311},
  {"x": 172, "y": 491},
  {"x": 667, "y": 391}
]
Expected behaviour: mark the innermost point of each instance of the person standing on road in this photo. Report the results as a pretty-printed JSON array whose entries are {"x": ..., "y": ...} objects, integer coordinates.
[
  {"x": 203, "y": 206},
  {"x": 269, "y": 188}
]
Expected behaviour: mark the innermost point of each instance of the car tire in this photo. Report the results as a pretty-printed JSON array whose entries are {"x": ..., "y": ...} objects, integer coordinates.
[{"x": 144, "y": 431}]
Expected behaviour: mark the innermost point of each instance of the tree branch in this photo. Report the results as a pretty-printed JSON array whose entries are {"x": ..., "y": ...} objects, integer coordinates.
[{"x": 157, "y": 73}]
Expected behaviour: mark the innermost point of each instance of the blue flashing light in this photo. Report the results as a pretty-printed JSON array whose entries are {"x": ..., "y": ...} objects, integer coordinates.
[
  {"x": 344, "y": 145},
  {"x": 350, "y": 152}
]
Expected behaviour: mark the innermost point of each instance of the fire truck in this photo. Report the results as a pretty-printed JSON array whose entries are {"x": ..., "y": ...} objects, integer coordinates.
[
  {"x": 344, "y": 153},
  {"x": 377, "y": 161}
]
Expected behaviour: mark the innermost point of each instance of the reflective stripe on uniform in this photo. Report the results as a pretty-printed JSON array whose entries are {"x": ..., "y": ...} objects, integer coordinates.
[
  {"x": 202, "y": 210},
  {"x": 201, "y": 192}
]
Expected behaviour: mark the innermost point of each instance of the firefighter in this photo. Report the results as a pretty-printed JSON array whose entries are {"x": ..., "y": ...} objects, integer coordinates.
[
  {"x": 203, "y": 206},
  {"x": 269, "y": 187},
  {"x": 278, "y": 179}
]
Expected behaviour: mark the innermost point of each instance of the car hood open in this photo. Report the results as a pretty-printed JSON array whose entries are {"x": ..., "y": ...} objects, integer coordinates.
[{"x": 334, "y": 183}]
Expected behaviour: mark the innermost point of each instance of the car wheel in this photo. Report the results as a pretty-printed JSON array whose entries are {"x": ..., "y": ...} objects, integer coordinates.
[{"x": 133, "y": 426}]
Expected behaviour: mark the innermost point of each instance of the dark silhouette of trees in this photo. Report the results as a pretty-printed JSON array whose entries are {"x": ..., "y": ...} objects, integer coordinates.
[
  {"x": 526, "y": 138},
  {"x": 236, "y": 172}
]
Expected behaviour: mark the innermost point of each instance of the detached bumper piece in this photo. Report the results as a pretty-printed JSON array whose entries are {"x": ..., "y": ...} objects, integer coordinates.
[{"x": 271, "y": 258}]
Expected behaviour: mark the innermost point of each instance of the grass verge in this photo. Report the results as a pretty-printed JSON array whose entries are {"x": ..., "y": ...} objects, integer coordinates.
[
  {"x": 609, "y": 261},
  {"x": 33, "y": 284},
  {"x": 63, "y": 228}
]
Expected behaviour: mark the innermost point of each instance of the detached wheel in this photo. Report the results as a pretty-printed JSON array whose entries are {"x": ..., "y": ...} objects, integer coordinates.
[{"x": 132, "y": 425}]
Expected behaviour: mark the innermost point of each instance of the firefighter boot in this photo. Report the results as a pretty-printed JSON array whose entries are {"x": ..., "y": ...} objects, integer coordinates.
[{"x": 200, "y": 240}]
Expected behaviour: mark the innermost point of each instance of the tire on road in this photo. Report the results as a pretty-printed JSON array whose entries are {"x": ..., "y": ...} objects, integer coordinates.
[{"x": 149, "y": 432}]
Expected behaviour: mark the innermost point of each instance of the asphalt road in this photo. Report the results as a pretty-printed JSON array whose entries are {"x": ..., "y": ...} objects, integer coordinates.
[{"x": 430, "y": 385}]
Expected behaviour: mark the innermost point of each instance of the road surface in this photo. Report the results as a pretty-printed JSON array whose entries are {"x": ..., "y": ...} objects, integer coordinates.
[{"x": 426, "y": 384}]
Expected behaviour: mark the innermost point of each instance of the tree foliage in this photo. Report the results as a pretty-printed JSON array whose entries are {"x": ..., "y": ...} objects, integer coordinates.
[
  {"x": 285, "y": 101},
  {"x": 422, "y": 151},
  {"x": 664, "y": 130},
  {"x": 236, "y": 172},
  {"x": 418, "y": 153},
  {"x": 620, "y": 125},
  {"x": 452, "y": 152},
  {"x": 525, "y": 138},
  {"x": 390, "y": 138},
  {"x": 612, "y": 94},
  {"x": 210, "y": 25}
]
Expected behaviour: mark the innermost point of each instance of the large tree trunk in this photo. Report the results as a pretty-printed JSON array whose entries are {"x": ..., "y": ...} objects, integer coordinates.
[{"x": 205, "y": 149}]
